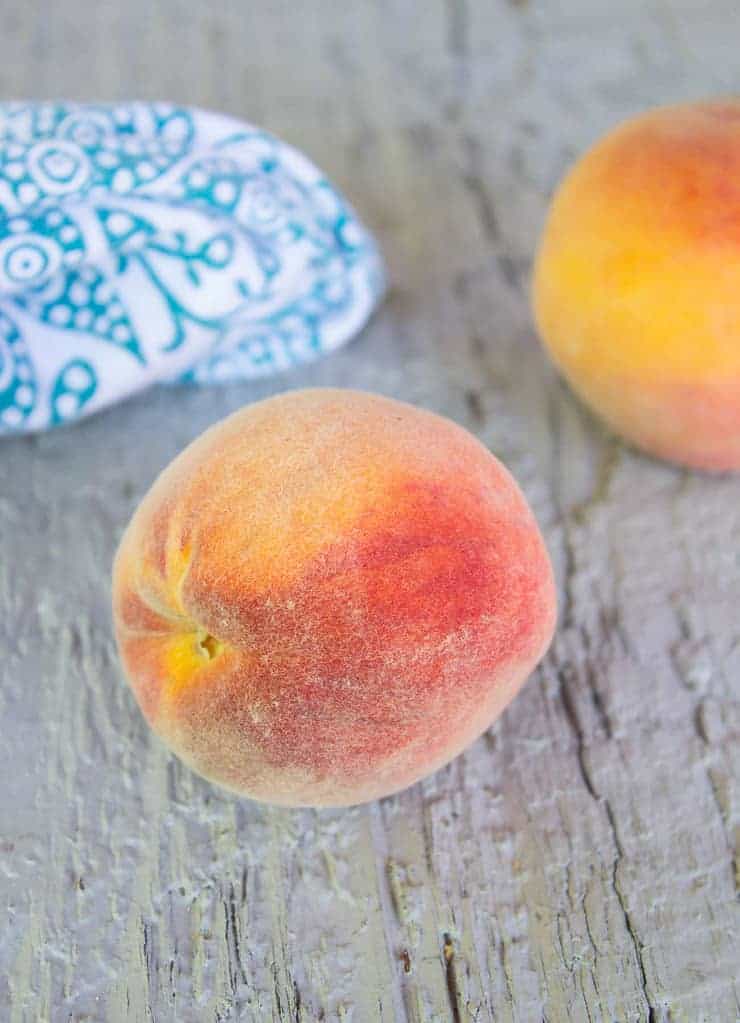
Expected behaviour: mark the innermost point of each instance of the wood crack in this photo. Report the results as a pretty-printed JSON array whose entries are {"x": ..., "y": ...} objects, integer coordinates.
[
  {"x": 629, "y": 925},
  {"x": 448, "y": 953},
  {"x": 571, "y": 715},
  {"x": 473, "y": 181},
  {"x": 231, "y": 934},
  {"x": 608, "y": 466}
]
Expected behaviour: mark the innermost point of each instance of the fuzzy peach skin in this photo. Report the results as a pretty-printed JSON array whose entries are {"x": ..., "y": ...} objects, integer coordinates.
[
  {"x": 637, "y": 282},
  {"x": 328, "y": 595}
]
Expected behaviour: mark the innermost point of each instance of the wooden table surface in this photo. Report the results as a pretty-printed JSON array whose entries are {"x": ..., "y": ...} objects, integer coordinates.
[{"x": 582, "y": 860}]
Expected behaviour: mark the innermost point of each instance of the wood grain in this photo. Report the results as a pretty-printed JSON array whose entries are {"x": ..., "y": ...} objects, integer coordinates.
[{"x": 582, "y": 860}]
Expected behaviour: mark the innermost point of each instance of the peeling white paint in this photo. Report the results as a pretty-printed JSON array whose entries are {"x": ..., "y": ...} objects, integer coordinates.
[{"x": 581, "y": 861}]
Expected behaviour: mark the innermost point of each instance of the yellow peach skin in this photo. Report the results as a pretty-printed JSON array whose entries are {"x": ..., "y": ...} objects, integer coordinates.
[
  {"x": 328, "y": 595},
  {"x": 637, "y": 282}
]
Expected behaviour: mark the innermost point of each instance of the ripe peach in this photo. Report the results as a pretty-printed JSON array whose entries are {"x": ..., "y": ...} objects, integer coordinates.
[
  {"x": 637, "y": 282},
  {"x": 328, "y": 595}
]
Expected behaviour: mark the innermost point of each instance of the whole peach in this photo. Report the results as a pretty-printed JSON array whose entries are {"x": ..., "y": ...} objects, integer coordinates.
[
  {"x": 637, "y": 282},
  {"x": 328, "y": 595}
]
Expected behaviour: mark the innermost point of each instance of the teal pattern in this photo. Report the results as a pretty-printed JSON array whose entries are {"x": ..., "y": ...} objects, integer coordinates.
[{"x": 144, "y": 243}]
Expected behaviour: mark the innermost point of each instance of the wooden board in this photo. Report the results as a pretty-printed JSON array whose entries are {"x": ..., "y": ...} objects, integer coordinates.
[{"x": 581, "y": 861}]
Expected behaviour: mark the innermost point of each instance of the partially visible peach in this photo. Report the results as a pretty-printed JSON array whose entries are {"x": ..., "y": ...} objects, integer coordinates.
[
  {"x": 637, "y": 282},
  {"x": 328, "y": 595}
]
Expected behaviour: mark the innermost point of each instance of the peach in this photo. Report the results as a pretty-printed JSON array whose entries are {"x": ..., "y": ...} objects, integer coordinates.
[
  {"x": 637, "y": 282},
  {"x": 328, "y": 595}
]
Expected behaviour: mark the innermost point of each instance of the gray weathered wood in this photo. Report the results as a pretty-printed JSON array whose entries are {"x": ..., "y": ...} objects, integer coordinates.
[{"x": 582, "y": 860}]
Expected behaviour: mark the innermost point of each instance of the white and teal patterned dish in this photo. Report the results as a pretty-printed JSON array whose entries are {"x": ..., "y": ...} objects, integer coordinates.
[{"x": 144, "y": 243}]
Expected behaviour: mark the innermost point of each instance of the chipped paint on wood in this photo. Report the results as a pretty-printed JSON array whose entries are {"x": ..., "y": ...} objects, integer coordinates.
[{"x": 582, "y": 860}]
